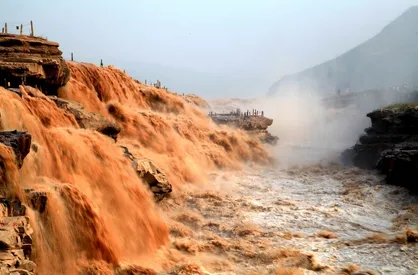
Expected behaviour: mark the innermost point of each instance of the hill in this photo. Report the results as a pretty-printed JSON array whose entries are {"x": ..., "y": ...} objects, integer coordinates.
[{"x": 388, "y": 59}]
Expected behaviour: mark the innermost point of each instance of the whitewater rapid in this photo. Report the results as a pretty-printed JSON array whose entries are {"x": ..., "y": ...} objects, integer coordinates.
[{"x": 345, "y": 218}]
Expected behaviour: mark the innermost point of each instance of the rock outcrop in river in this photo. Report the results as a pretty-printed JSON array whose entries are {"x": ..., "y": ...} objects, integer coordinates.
[
  {"x": 390, "y": 145},
  {"x": 150, "y": 174},
  {"x": 255, "y": 124}
]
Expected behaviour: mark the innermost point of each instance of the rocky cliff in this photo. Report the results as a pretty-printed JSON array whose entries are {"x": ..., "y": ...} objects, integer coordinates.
[
  {"x": 15, "y": 229},
  {"x": 32, "y": 61},
  {"x": 390, "y": 145}
]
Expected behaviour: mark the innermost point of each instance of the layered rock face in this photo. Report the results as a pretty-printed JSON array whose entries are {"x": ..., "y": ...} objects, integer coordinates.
[
  {"x": 400, "y": 164},
  {"x": 390, "y": 145},
  {"x": 32, "y": 61},
  {"x": 15, "y": 230},
  {"x": 255, "y": 125}
]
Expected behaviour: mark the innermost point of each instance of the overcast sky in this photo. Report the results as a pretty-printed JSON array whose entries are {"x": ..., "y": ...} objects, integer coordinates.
[{"x": 234, "y": 38}]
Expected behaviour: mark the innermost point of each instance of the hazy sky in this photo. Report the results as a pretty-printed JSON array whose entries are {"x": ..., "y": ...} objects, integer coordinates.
[{"x": 234, "y": 38}]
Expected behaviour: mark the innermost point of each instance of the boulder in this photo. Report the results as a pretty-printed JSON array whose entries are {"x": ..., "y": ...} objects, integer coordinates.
[
  {"x": 86, "y": 119},
  {"x": 156, "y": 179},
  {"x": 150, "y": 174},
  {"x": 32, "y": 61},
  {"x": 19, "y": 141}
]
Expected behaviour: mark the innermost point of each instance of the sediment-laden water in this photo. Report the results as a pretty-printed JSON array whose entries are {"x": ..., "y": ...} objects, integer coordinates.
[{"x": 252, "y": 223}]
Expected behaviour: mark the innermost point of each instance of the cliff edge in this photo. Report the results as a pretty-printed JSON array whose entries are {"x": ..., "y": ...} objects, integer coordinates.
[
  {"x": 390, "y": 145},
  {"x": 32, "y": 61}
]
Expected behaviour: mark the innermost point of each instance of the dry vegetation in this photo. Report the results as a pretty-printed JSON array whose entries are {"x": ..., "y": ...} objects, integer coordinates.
[{"x": 401, "y": 106}]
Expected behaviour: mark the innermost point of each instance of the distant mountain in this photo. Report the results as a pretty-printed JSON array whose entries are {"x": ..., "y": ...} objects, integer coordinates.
[{"x": 390, "y": 58}]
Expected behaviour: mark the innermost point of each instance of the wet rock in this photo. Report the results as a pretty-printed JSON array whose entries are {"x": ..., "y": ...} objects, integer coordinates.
[
  {"x": 390, "y": 145},
  {"x": 389, "y": 127},
  {"x": 400, "y": 165},
  {"x": 411, "y": 236},
  {"x": 88, "y": 120},
  {"x": 156, "y": 179},
  {"x": 150, "y": 174},
  {"x": 19, "y": 141},
  {"x": 37, "y": 199},
  {"x": 32, "y": 61}
]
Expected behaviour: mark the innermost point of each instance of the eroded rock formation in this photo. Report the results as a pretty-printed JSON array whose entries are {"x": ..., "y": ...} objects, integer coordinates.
[
  {"x": 19, "y": 142},
  {"x": 15, "y": 230},
  {"x": 150, "y": 174},
  {"x": 88, "y": 120},
  {"x": 255, "y": 125},
  {"x": 390, "y": 145},
  {"x": 400, "y": 165},
  {"x": 32, "y": 61}
]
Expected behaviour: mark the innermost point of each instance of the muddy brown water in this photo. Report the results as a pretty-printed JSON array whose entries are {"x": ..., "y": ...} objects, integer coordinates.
[{"x": 341, "y": 216}]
